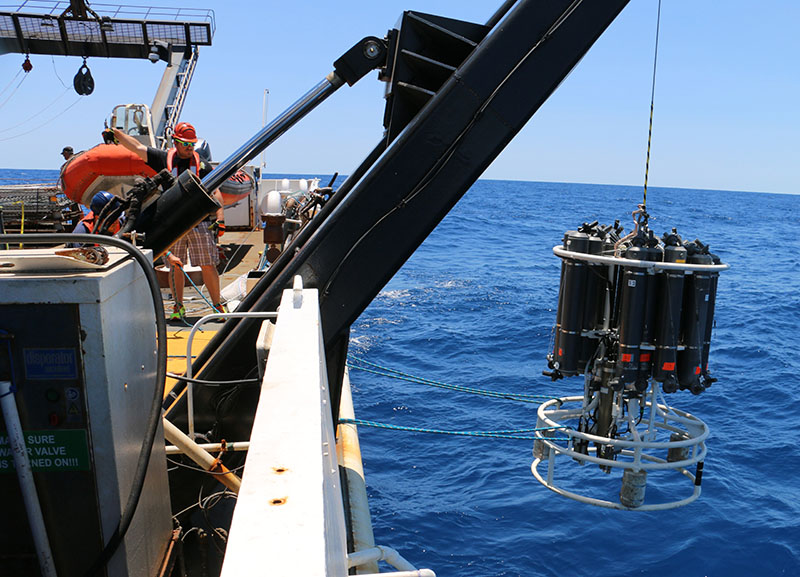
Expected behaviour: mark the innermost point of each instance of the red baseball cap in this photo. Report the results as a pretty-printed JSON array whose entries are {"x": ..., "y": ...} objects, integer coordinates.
[{"x": 185, "y": 131}]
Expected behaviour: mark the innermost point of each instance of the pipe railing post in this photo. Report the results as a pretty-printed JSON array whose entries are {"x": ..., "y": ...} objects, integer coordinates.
[{"x": 16, "y": 440}]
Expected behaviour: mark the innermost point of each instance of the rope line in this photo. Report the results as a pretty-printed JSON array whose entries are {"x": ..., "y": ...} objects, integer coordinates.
[
  {"x": 395, "y": 374},
  {"x": 53, "y": 60},
  {"x": 13, "y": 92},
  {"x": 45, "y": 123},
  {"x": 516, "y": 434},
  {"x": 652, "y": 101},
  {"x": 36, "y": 113},
  {"x": 10, "y": 82}
]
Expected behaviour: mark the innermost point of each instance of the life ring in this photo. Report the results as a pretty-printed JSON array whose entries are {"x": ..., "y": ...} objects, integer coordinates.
[
  {"x": 105, "y": 167},
  {"x": 236, "y": 187}
]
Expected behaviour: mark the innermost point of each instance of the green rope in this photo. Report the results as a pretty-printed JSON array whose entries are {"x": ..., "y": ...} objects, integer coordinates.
[
  {"x": 512, "y": 434},
  {"x": 395, "y": 374}
]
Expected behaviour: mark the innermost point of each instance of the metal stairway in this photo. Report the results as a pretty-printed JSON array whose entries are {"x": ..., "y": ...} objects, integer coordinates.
[{"x": 171, "y": 95}]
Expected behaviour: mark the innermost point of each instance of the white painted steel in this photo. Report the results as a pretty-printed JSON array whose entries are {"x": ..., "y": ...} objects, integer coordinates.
[
  {"x": 560, "y": 251},
  {"x": 633, "y": 452},
  {"x": 195, "y": 328},
  {"x": 289, "y": 519},
  {"x": 16, "y": 440}
]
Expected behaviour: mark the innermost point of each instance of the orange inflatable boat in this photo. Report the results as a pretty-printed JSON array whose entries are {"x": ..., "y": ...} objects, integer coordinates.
[
  {"x": 105, "y": 167},
  {"x": 115, "y": 169}
]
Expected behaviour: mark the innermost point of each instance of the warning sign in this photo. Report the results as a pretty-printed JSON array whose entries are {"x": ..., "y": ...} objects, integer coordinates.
[{"x": 66, "y": 450}]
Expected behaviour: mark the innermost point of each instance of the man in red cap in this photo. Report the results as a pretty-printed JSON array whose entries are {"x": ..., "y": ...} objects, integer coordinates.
[{"x": 201, "y": 241}]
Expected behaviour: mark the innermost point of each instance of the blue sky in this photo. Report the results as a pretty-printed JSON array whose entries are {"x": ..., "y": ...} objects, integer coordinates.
[{"x": 726, "y": 108}]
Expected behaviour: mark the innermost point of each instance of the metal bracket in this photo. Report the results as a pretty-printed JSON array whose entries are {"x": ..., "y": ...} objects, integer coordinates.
[{"x": 366, "y": 55}]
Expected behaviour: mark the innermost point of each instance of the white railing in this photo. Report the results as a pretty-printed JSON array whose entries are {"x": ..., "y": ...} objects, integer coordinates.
[
  {"x": 289, "y": 519},
  {"x": 662, "y": 438}
]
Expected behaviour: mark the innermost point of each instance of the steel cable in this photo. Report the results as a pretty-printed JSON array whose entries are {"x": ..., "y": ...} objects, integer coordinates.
[{"x": 652, "y": 101}]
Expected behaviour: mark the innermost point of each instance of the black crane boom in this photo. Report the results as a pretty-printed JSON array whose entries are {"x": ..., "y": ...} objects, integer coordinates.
[{"x": 376, "y": 223}]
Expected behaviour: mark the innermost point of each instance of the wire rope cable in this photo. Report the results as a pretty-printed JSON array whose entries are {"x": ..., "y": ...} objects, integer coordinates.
[
  {"x": 45, "y": 123},
  {"x": 10, "y": 82},
  {"x": 25, "y": 121},
  {"x": 13, "y": 91},
  {"x": 652, "y": 102},
  {"x": 55, "y": 71}
]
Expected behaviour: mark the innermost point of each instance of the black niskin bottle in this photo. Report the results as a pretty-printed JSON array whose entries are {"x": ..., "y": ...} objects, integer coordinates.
[
  {"x": 669, "y": 300},
  {"x": 571, "y": 304},
  {"x": 633, "y": 294},
  {"x": 696, "y": 301}
]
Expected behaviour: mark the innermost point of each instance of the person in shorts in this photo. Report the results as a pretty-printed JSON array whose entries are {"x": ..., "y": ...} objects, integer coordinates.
[{"x": 201, "y": 242}]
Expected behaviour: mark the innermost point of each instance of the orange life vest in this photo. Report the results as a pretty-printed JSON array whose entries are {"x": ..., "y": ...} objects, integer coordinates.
[
  {"x": 194, "y": 162},
  {"x": 89, "y": 222}
]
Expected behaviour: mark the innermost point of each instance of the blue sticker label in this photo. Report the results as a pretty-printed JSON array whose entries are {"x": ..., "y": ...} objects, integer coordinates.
[{"x": 46, "y": 364}]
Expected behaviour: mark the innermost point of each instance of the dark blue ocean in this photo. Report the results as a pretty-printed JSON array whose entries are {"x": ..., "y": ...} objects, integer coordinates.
[{"x": 475, "y": 307}]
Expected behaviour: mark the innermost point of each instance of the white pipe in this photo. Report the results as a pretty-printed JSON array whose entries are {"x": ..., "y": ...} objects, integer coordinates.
[
  {"x": 415, "y": 573},
  {"x": 175, "y": 436},
  {"x": 392, "y": 557},
  {"x": 205, "y": 319},
  {"x": 33, "y": 508},
  {"x": 560, "y": 251},
  {"x": 212, "y": 447}
]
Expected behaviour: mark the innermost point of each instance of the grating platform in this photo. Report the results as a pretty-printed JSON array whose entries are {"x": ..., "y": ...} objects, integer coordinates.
[{"x": 105, "y": 30}]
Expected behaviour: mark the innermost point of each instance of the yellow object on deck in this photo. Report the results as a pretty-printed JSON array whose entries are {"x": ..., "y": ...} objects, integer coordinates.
[{"x": 176, "y": 350}]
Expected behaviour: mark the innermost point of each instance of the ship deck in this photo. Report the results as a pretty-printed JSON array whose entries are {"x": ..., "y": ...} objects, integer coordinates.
[{"x": 242, "y": 251}]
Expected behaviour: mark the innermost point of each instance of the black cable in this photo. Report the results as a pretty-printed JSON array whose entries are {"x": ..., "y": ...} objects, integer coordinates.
[
  {"x": 224, "y": 494},
  {"x": 203, "y": 504},
  {"x": 214, "y": 383},
  {"x": 207, "y": 472},
  {"x": 154, "y": 418}
]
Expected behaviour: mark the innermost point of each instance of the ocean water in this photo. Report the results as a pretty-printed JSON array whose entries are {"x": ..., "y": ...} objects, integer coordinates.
[{"x": 475, "y": 305}]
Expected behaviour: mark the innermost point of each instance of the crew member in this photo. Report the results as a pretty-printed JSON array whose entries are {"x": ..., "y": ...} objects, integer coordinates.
[
  {"x": 201, "y": 241},
  {"x": 67, "y": 152},
  {"x": 89, "y": 222}
]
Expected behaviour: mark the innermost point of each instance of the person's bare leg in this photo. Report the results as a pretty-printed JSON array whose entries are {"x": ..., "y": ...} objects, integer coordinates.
[
  {"x": 176, "y": 284},
  {"x": 211, "y": 280}
]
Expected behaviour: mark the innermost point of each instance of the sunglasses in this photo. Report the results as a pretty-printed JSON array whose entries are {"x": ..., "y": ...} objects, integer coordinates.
[{"x": 183, "y": 142}]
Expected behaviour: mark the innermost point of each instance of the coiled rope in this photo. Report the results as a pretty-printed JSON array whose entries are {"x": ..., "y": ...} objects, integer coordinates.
[{"x": 369, "y": 367}]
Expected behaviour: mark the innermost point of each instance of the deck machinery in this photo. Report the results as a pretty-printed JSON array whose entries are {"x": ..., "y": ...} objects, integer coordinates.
[{"x": 457, "y": 93}]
